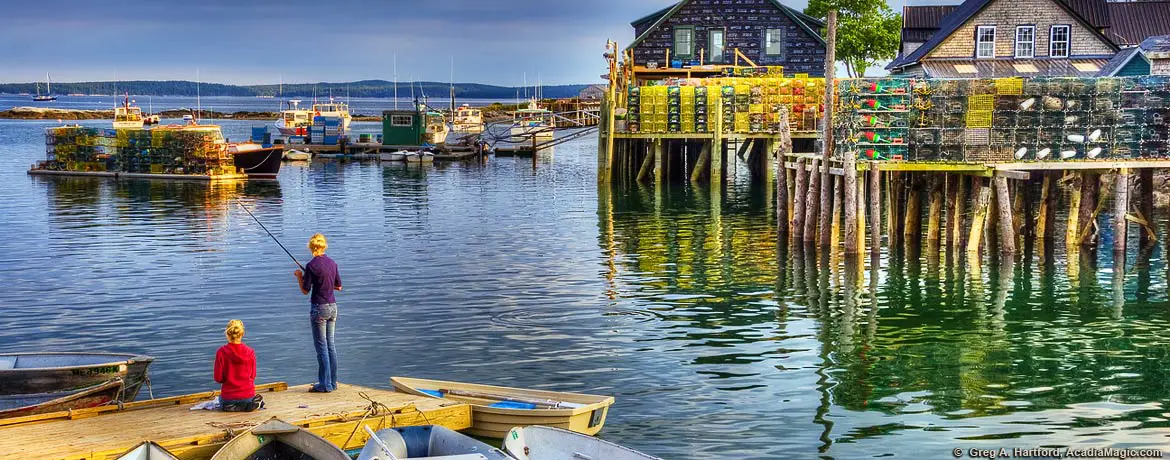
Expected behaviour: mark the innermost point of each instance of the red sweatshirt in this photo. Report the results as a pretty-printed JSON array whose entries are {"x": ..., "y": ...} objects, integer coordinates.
[{"x": 235, "y": 368}]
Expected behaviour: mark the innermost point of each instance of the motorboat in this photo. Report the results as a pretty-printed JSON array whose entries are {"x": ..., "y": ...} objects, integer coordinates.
[
  {"x": 533, "y": 121},
  {"x": 428, "y": 441},
  {"x": 468, "y": 120},
  {"x": 294, "y": 121},
  {"x": 128, "y": 115}
]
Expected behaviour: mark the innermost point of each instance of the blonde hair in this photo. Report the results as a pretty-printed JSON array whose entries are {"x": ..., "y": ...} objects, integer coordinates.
[
  {"x": 317, "y": 244},
  {"x": 234, "y": 330}
]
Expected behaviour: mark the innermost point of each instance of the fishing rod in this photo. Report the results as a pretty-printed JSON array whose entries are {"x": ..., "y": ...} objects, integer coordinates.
[{"x": 294, "y": 259}]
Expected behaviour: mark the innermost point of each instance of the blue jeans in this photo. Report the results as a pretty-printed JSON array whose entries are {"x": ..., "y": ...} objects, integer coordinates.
[{"x": 324, "y": 320}]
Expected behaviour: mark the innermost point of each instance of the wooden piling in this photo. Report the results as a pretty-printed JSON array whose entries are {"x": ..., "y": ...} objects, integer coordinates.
[
  {"x": 893, "y": 186},
  {"x": 1045, "y": 225},
  {"x": 827, "y": 127},
  {"x": 853, "y": 231},
  {"x": 912, "y": 229},
  {"x": 702, "y": 163},
  {"x": 934, "y": 213},
  {"x": 811, "y": 205},
  {"x": 782, "y": 217},
  {"x": 1090, "y": 196},
  {"x": 979, "y": 216},
  {"x": 835, "y": 225},
  {"x": 647, "y": 166},
  {"x": 952, "y": 192},
  {"x": 1120, "y": 209},
  {"x": 1072, "y": 230},
  {"x": 800, "y": 189},
  {"x": 1007, "y": 234},
  {"x": 1145, "y": 206},
  {"x": 875, "y": 209},
  {"x": 659, "y": 161}
]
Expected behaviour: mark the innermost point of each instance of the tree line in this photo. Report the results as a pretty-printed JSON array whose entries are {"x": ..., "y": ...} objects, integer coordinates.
[{"x": 367, "y": 88}]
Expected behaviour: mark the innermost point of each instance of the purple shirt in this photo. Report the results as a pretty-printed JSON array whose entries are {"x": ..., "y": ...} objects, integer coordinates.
[{"x": 321, "y": 277}]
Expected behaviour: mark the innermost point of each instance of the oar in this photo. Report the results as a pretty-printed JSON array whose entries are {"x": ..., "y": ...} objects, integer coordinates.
[
  {"x": 294, "y": 259},
  {"x": 374, "y": 437},
  {"x": 537, "y": 402}
]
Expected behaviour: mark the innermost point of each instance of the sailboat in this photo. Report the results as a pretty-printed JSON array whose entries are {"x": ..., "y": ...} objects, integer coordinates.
[{"x": 48, "y": 90}]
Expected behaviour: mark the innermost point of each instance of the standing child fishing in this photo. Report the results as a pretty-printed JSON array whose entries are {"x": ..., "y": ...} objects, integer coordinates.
[{"x": 319, "y": 279}]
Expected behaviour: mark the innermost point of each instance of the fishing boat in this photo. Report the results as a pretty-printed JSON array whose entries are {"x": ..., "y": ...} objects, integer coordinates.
[
  {"x": 546, "y": 443},
  {"x": 533, "y": 121},
  {"x": 148, "y": 450},
  {"x": 427, "y": 442},
  {"x": 294, "y": 121},
  {"x": 42, "y": 403},
  {"x": 257, "y": 161},
  {"x": 334, "y": 109},
  {"x": 48, "y": 96},
  {"x": 468, "y": 120},
  {"x": 277, "y": 440},
  {"x": 398, "y": 155},
  {"x": 496, "y": 409},
  {"x": 128, "y": 115},
  {"x": 297, "y": 155},
  {"x": 43, "y": 373},
  {"x": 436, "y": 129},
  {"x": 419, "y": 157}
]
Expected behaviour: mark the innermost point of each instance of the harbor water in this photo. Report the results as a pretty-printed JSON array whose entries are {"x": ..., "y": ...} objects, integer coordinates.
[{"x": 716, "y": 341}]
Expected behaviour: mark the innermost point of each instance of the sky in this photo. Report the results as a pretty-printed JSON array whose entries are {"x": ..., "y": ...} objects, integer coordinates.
[{"x": 247, "y": 42}]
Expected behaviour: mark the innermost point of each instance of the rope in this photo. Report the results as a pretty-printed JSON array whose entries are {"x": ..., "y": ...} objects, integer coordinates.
[
  {"x": 270, "y": 152},
  {"x": 376, "y": 409}
]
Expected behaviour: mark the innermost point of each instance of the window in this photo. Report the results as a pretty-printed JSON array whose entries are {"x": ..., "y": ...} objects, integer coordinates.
[
  {"x": 1058, "y": 41},
  {"x": 401, "y": 120},
  {"x": 1026, "y": 41},
  {"x": 985, "y": 42},
  {"x": 684, "y": 41},
  {"x": 715, "y": 42},
  {"x": 774, "y": 42}
]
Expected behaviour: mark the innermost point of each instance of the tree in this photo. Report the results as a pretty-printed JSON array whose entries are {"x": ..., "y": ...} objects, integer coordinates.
[{"x": 867, "y": 31}]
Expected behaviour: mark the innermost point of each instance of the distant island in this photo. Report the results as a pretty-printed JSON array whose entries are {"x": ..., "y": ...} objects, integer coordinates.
[{"x": 364, "y": 88}]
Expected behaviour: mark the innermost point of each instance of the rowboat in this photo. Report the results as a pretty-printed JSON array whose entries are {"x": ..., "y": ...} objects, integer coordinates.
[
  {"x": 297, "y": 155},
  {"x": 398, "y": 155},
  {"x": 43, "y": 403},
  {"x": 419, "y": 157},
  {"x": 40, "y": 373},
  {"x": 545, "y": 443},
  {"x": 427, "y": 442},
  {"x": 277, "y": 440},
  {"x": 148, "y": 451},
  {"x": 496, "y": 409}
]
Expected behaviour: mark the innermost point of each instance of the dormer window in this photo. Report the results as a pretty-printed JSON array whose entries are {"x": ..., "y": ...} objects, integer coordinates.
[{"x": 985, "y": 42}]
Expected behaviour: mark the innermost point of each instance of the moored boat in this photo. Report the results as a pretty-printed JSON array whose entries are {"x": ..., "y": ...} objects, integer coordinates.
[
  {"x": 43, "y": 403},
  {"x": 468, "y": 120},
  {"x": 128, "y": 115},
  {"x": 277, "y": 440},
  {"x": 496, "y": 409},
  {"x": 41, "y": 373},
  {"x": 333, "y": 109},
  {"x": 148, "y": 450},
  {"x": 294, "y": 121},
  {"x": 257, "y": 161},
  {"x": 547, "y": 443},
  {"x": 419, "y": 157},
  {"x": 48, "y": 97},
  {"x": 427, "y": 442},
  {"x": 531, "y": 122},
  {"x": 398, "y": 155},
  {"x": 297, "y": 155}
]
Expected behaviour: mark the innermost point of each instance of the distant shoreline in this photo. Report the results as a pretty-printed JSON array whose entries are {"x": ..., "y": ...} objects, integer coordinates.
[{"x": 40, "y": 113}]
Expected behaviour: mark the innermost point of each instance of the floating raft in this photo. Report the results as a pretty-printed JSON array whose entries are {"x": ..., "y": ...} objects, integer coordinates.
[
  {"x": 105, "y": 432},
  {"x": 123, "y": 175}
]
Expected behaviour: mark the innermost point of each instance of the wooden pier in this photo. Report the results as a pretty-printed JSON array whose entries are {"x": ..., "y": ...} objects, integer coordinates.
[
  {"x": 123, "y": 175},
  {"x": 106, "y": 432}
]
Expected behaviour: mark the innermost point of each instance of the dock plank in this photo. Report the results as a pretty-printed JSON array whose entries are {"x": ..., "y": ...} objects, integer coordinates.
[{"x": 196, "y": 435}]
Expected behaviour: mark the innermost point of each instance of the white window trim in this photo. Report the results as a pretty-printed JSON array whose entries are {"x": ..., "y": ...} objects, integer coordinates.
[
  {"x": 1067, "y": 40},
  {"x": 1018, "y": 42},
  {"x": 716, "y": 58},
  {"x": 979, "y": 32},
  {"x": 768, "y": 34},
  {"x": 675, "y": 42},
  {"x": 397, "y": 120}
]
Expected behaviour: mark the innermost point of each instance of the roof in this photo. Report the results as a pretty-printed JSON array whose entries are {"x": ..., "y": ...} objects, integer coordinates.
[
  {"x": 1093, "y": 11},
  {"x": 1132, "y": 22},
  {"x": 925, "y": 17},
  {"x": 999, "y": 68},
  {"x": 960, "y": 16},
  {"x": 805, "y": 21},
  {"x": 1157, "y": 47},
  {"x": 1119, "y": 61}
]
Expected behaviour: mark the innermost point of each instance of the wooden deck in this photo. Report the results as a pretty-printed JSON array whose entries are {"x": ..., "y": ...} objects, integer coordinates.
[{"x": 106, "y": 432}]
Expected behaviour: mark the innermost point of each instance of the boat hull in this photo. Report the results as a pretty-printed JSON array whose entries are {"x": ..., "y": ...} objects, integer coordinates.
[
  {"x": 427, "y": 441},
  {"x": 36, "y": 373},
  {"x": 148, "y": 450},
  {"x": 544, "y": 443},
  {"x": 587, "y": 417},
  {"x": 44, "y": 98},
  {"x": 129, "y": 124},
  {"x": 262, "y": 163},
  {"x": 542, "y": 133},
  {"x": 42, "y": 403},
  {"x": 276, "y": 437}
]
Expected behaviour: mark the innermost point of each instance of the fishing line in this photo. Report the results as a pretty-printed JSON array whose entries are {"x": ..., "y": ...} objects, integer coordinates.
[{"x": 294, "y": 259}]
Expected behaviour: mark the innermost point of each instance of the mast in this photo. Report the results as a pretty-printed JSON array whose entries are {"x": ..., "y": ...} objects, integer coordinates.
[
  {"x": 48, "y": 84},
  {"x": 198, "y": 102},
  {"x": 452, "y": 87},
  {"x": 395, "y": 81}
]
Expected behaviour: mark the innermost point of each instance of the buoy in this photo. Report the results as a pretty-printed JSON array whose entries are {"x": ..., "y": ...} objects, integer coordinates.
[
  {"x": 1077, "y": 138},
  {"x": 1027, "y": 104},
  {"x": 1096, "y": 134},
  {"x": 1068, "y": 154},
  {"x": 1093, "y": 153},
  {"x": 1043, "y": 153},
  {"x": 1021, "y": 152}
]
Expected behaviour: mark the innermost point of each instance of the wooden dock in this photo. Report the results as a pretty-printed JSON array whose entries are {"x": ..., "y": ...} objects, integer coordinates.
[{"x": 106, "y": 432}]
